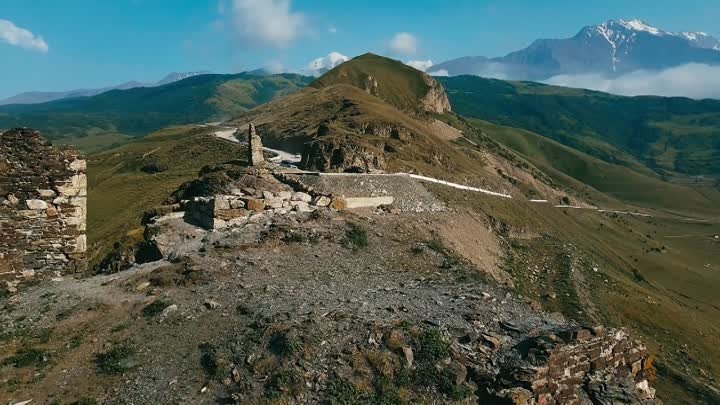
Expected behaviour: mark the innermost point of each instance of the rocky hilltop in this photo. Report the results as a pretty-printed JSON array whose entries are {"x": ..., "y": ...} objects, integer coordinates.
[
  {"x": 409, "y": 259},
  {"x": 259, "y": 284}
]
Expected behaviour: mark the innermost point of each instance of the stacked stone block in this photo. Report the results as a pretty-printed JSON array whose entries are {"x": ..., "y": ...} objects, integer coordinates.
[
  {"x": 579, "y": 367},
  {"x": 43, "y": 204}
]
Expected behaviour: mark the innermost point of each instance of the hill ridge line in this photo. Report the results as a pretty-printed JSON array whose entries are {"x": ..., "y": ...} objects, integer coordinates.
[{"x": 228, "y": 136}]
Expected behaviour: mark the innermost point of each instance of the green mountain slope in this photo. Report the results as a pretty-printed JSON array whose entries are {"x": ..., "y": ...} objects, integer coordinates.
[
  {"x": 665, "y": 134},
  {"x": 119, "y": 191},
  {"x": 577, "y": 170},
  {"x": 94, "y": 123}
]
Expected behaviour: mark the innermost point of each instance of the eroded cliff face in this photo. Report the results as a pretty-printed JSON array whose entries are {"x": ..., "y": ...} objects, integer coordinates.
[
  {"x": 43, "y": 199},
  {"x": 338, "y": 155},
  {"x": 436, "y": 100}
]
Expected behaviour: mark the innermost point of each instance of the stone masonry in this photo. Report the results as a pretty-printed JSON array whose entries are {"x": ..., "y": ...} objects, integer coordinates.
[
  {"x": 255, "y": 148},
  {"x": 43, "y": 200},
  {"x": 577, "y": 367}
]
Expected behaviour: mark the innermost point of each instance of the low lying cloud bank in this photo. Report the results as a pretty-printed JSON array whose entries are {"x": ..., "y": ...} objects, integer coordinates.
[
  {"x": 420, "y": 64},
  {"x": 693, "y": 80}
]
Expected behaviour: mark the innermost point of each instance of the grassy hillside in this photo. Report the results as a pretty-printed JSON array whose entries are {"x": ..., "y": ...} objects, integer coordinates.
[
  {"x": 655, "y": 276},
  {"x": 631, "y": 186},
  {"x": 665, "y": 134},
  {"x": 119, "y": 192},
  {"x": 108, "y": 119},
  {"x": 398, "y": 84}
]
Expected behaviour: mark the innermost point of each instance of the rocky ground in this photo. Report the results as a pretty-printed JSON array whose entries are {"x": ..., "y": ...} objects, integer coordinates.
[{"x": 301, "y": 306}]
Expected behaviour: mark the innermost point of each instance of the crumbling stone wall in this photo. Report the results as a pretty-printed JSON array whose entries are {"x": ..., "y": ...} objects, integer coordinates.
[
  {"x": 43, "y": 200},
  {"x": 577, "y": 367}
]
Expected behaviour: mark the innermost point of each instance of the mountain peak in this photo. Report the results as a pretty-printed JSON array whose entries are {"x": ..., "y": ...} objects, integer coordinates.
[
  {"x": 636, "y": 25},
  {"x": 396, "y": 83}
]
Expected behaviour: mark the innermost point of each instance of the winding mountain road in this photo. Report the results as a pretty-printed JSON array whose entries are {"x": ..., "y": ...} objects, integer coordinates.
[
  {"x": 282, "y": 156},
  {"x": 228, "y": 134}
]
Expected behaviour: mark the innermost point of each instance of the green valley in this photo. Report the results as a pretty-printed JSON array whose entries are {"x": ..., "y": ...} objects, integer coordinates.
[
  {"x": 112, "y": 118},
  {"x": 664, "y": 134}
]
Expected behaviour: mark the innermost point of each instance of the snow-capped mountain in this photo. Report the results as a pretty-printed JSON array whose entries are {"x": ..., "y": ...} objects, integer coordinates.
[
  {"x": 177, "y": 76},
  {"x": 321, "y": 65},
  {"x": 612, "y": 48},
  {"x": 36, "y": 97},
  {"x": 701, "y": 40}
]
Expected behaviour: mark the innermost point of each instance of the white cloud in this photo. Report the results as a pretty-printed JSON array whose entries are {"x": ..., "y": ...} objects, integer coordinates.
[
  {"x": 692, "y": 80},
  {"x": 332, "y": 30},
  {"x": 261, "y": 23},
  {"x": 420, "y": 64},
  {"x": 21, "y": 37},
  {"x": 404, "y": 44},
  {"x": 274, "y": 67},
  {"x": 322, "y": 65},
  {"x": 441, "y": 72}
]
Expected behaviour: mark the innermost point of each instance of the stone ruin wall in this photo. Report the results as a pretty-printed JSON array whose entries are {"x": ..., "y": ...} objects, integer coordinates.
[
  {"x": 580, "y": 367},
  {"x": 43, "y": 204}
]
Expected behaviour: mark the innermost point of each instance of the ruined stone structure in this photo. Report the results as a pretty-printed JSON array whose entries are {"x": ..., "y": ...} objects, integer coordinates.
[
  {"x": 43, "y": 199},
  {"x": 578, "y": 367},
  {"x": 255, "y": 148}
]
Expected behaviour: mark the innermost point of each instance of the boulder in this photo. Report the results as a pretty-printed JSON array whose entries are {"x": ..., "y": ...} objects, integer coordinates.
[
  {"x": 36, "y": 204},
  {"x": 254, "y": 204},
  {"x": 237, "y": 203},
  {"x": 274, "y": 202},
  {"x": 300, "y": 206},
  {"x": 321, "y": 201},
  {"x": 300, "y": 196}
]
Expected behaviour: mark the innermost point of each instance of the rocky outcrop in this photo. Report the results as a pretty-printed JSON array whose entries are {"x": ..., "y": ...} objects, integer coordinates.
[
  {"x": 436, "y": 100},
  {"x": 371, "y": 86},
  {"x": 385, "y": 130},
  {"x": 333, "y": 155},
  {"x": 43, "y": 199}
]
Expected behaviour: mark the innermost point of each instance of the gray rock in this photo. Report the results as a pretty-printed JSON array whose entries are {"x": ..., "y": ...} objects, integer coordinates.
[
  {"x": 300, "y": 196},
  {"x": 255, "y": 148},
  {"x": 300, "y": 206},
  {"x": 211, "y": 304},
  {"x": 36, "y": 204},
  {"x": 321, "y": 201}
]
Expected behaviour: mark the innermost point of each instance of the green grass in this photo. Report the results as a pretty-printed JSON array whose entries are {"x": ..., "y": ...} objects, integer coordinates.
[
  {"x": 355, "y": 237},
  {"x": 27, "y": 356},
  {"x": 96, "y": 123},
  {"x": 119, "y": 193},
  {"x": 214, "y": 361},
  {"x": 283, "y": 344},
  {"x": 155, "y": 308},
  {"x": 578, "y": 170},
  {"x": 115, "y": 361},
  {"x": 674, "y": 310}
]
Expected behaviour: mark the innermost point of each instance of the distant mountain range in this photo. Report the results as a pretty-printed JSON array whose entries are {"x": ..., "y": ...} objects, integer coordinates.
[
  {"x": 315, "y": 68},
  {"x": 36, "y": 97},
  {"x": 613, "y": 48}
]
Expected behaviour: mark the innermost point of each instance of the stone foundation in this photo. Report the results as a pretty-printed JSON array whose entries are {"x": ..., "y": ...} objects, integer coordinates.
[{"x": 43, "y": 200}]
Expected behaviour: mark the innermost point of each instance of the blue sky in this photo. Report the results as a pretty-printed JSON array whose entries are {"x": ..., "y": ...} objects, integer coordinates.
[{"x": 93, "y": 43}]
